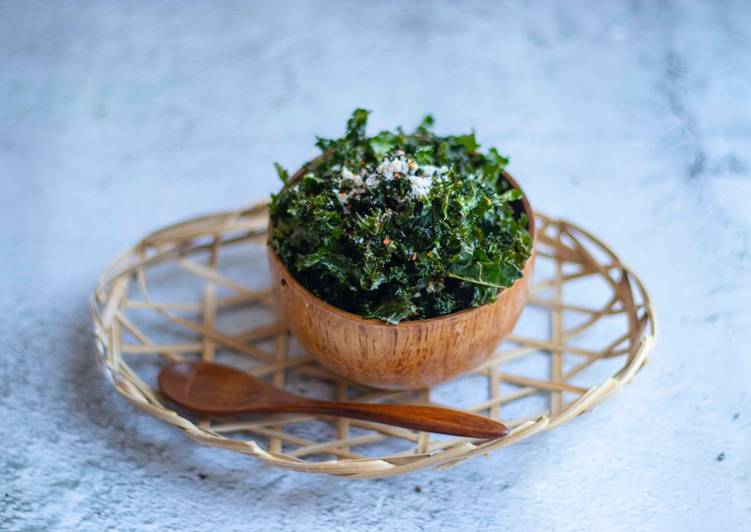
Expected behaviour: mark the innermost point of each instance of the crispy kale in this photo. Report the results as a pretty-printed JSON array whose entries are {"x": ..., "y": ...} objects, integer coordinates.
[{"x": 401, "y": 226}]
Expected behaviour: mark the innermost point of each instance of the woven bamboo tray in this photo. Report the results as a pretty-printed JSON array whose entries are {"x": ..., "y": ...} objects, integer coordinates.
[{"x": 199, "y": 289}]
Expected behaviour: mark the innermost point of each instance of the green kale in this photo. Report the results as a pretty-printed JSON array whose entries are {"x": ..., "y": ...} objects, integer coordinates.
[{"x": 401, "y": 226}]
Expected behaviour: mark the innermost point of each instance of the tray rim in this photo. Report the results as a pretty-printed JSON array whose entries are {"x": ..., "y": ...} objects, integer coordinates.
[{"x": 112, "y": 285}]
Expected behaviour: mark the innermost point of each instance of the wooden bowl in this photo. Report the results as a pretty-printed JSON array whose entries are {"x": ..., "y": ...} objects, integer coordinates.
[{"x": 412, "y": 354}]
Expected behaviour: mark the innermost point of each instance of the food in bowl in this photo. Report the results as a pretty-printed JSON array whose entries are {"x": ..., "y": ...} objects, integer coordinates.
[
  {"x": 401, "y": 260},
  {"x": 401, "y": 226}
]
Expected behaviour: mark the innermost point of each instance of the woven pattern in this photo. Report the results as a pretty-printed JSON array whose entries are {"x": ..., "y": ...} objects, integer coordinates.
[{"x": 198, "y": 290}]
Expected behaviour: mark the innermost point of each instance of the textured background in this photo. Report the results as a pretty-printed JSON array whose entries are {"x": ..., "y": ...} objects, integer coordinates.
[{"x": 632, "y": 119}]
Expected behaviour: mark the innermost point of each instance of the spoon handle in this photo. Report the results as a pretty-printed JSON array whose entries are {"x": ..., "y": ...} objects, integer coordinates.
[{"x": 417, "y": 417}]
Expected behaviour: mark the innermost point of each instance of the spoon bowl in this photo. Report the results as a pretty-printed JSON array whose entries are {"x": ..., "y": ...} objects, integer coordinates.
[{"x": 211, "y": 388}]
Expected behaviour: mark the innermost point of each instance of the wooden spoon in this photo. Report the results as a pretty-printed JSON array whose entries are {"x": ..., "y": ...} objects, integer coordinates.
[{"x": 211, "y": 388}]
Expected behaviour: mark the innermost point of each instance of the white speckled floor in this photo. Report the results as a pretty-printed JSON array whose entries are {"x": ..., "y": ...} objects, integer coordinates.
[{"x": 630, "y": 118}]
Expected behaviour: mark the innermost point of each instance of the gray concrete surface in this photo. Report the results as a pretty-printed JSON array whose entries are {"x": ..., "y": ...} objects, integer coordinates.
[{"x": 630, "y": 118}]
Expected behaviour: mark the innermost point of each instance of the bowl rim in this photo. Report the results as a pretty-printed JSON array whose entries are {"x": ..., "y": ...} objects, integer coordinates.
[{"x": 447, "y": 318}]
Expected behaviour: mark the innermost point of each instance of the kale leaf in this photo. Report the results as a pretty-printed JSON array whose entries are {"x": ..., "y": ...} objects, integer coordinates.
[{"x": 401, "y": 226}]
